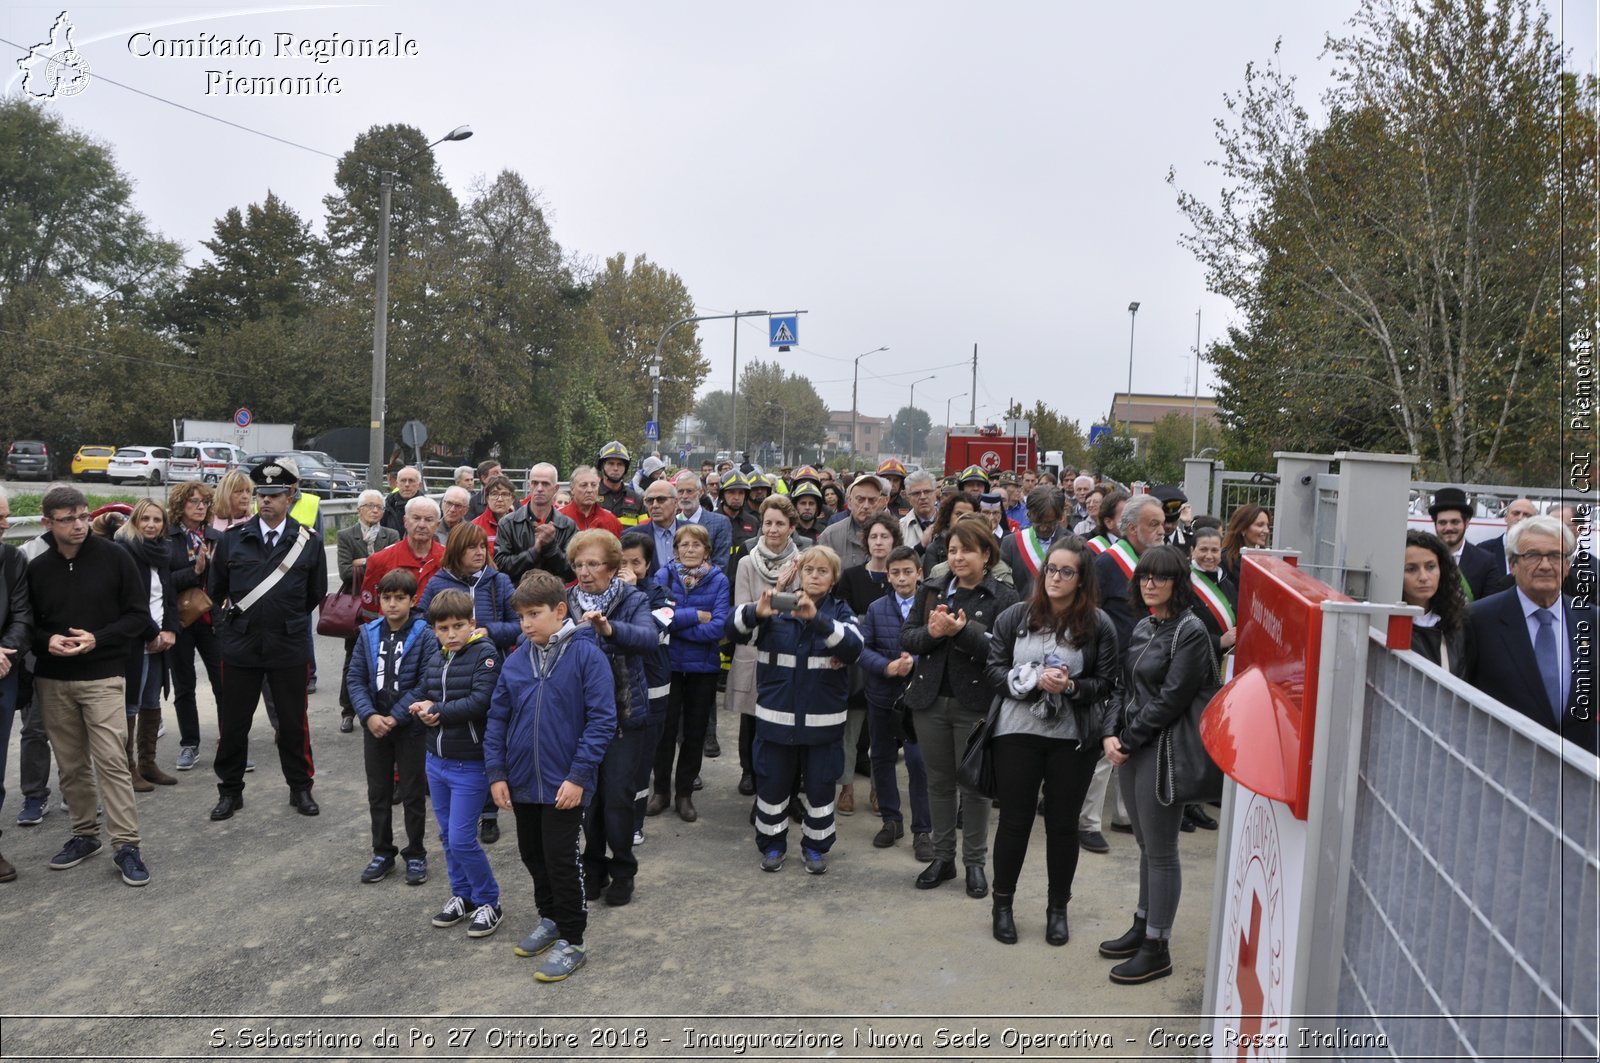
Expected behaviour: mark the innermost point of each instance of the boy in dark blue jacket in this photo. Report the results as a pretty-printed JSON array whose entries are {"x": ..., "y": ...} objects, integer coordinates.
[
  {"x": 887, "y": 669},
  {"x": 389, "y": 656},
  {"x": 453, "y": 699},
  {"x": 551, "y": 717}
]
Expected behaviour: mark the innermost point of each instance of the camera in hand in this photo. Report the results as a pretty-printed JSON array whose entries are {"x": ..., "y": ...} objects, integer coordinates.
[{"x": 785, "y": 602}]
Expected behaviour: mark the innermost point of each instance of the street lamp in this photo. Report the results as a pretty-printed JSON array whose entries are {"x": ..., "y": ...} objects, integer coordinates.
[
  {"x": 854, "y": 381},
  {"x": 912, "y": 405},
  {"x": 1127, "y": 419},
  {"x": 380, "y": 312}
]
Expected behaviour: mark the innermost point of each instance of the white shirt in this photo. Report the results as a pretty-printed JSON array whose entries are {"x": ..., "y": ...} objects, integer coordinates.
[
  {"x": 265, "y": 529},
  {"x": 1558, "y": 613}
]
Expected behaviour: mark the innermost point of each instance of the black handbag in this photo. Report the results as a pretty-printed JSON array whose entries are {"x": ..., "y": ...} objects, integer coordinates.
[
  {"x": 976, "y": 771},
  {"x": 1185, "y": 772}
]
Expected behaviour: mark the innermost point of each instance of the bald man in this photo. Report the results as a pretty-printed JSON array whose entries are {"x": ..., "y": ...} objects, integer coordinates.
[
  {"x": 407, "y": 485},
  {"x": 1518, "y": 511},
  {"x": 535, "y": 535}
]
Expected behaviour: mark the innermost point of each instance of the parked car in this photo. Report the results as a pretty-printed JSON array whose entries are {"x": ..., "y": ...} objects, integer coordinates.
[
  {"x": 28, "y": 459},
  {"x": 203, "y": 459},
  {"x": 90, "y": 462},
  {"x": 146, "y": 464},
  {"x": 318, "y": 478}
]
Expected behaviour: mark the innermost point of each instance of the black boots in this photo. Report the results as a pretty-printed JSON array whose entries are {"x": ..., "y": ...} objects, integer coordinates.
[
  {"x": 1126, "y": 945},
  {"x": 1055, "y": 923},
  {"x": 1005, "y": 927},
  {"x": 1148, "y": 964}
]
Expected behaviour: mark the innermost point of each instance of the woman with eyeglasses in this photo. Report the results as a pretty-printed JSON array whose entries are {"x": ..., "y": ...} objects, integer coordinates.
[
  {"x": 355, "y": 544},
  {"x": 499, "y": 498},
  {"x": 190, "y": 544},
  {"x": 1053, "y": 661},
  {"x": 1169, "y": 662},
  {"x": 1432, "y": 582}
]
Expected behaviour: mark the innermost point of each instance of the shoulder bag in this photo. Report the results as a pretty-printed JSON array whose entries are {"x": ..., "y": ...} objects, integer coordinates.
[
  {"x": 976, "y": 771},
  {"x": 192, "y": 605},
  {"x": 1185, "y": 771},
  {"x": 340, "y": 615}
]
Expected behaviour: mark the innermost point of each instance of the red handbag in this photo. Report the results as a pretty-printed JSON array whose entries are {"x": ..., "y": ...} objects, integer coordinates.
[{"x": 341, "y": 614}]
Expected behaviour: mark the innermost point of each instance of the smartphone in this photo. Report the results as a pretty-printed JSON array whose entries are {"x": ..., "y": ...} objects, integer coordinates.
[{"x": 785, "y": 602}]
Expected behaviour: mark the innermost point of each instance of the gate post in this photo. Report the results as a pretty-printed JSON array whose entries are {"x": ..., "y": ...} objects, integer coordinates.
[
  {"x": 1374, "y": 494},
  {"x": 1197, "y": 483},
  {"x": 1294, "y": 512}
]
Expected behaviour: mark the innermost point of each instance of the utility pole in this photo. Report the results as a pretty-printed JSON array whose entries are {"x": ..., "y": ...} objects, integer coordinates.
[
  {"x": 1194, "y": 420},
  {"x": 733, "y": 405},
  {"x": 1127, "y": 410},
  {"x": 973, "y": 416},
  {"x": 855, "y": 380}
]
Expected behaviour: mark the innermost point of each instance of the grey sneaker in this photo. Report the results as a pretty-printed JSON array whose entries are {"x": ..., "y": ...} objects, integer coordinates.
[
  {"x": 815, "y": 863},
  {"x": 187, "y": 755},
  {"x": 773, "y": 860},
  {"x": 485, "y": 921},
  {"x": 563, "y": 960},
  {"x": 544, "y": 935}
]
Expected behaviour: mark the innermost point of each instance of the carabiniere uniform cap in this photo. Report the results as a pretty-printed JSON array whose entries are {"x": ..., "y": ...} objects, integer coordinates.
[{"x": 275, "y": 477}]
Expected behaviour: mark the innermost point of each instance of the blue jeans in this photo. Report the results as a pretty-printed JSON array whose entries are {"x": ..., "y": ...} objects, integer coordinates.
[
  {"x": 458, "y": 788},
  {"x": 143, "y": 693},
  {"x": 884, "y": 747},
  {"x": 8, "y": 708}
]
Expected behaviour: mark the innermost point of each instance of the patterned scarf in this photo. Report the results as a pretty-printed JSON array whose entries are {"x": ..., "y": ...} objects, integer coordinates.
[
  {"x": 692, "y": 576},
  {"x": 770, "y": 562},
  {"x": 597, "y": 603}
]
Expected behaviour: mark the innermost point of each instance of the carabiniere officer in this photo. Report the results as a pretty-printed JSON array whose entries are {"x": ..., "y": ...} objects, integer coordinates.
[{"x": 267, "y": 577}]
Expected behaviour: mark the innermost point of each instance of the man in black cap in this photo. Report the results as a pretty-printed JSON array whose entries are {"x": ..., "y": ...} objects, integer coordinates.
[
  {"x": 1451, "y": 513},
  {"x": 1179, "y": 517},
  {"x": 267, "y": 576}
]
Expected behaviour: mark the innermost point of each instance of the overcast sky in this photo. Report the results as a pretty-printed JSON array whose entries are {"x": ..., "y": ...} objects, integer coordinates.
[{"x": 922, "y": 175}]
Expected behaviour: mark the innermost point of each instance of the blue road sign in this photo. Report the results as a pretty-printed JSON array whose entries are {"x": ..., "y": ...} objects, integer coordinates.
[
  {"x": 1097, "y": 432},
  {"x": 242, "y": 417},
  {"x": 783, "y": 331},
  {"x": 652, "y": 430}
]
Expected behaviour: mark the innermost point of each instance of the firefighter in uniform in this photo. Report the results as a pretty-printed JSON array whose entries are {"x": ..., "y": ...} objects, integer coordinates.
[
  {"x": 267, "y": 576},
  {"x": 616, "y": 494}
]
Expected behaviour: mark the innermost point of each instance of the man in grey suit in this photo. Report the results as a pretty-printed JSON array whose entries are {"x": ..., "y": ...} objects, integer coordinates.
[
  {"x": 690, "y": 511},
  {"x": 355, "y": 544}
]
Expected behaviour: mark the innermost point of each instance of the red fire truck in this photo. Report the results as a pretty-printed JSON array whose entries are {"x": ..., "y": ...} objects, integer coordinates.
[{"x": 994, "y": 448}]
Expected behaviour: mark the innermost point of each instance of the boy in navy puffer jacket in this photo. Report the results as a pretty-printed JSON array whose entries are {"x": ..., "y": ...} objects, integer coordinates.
[
  {"x": 552, "y": 715},
  {"x": 453, "y": 699}
]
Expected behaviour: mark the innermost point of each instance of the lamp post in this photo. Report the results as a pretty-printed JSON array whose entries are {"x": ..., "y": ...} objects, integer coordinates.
[
  {"x": 912, "y": 404},
  {"x": 947, "y": 403},
  {"x": 854, "y": 381},
  {"x": 655, "y": 366},
  {"x": 380, "y": 312},
  {"x": 1127, "y": 410}
]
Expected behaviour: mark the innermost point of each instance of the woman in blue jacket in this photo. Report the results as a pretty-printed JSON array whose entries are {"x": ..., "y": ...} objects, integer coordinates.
[
  {"x": 468, "y": 566},
  {"x": 801, "y": 687},
  {"x": 703, "y": 598},
  {"x": 619, "y": 615}
]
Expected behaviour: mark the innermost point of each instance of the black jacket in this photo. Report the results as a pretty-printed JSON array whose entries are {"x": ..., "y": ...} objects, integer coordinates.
[
  {"x": 963, "y": 655},
  {"x": 16, "y": 611},
  {"x": 1096, "y": 698},
  {"x": 1505, "y": 667},
  {"x": 459, "y": 689},
  {"x": 1478, "y": 567},
  {"x": 148, "y": 558},
  {"x": 98, "y": 591},
  {"x": 394, "y": 512},
  {"x": 272, "y": 632},
  {"x": 514, "y": 550},
  {"x": 1114, "y": 601},
  {"x": 180, "y": 565},
  {"x": 1168, "y": 663}
]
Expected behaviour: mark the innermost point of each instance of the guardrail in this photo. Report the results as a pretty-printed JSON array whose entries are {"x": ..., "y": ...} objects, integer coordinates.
[{"x": 336, "y": 514}]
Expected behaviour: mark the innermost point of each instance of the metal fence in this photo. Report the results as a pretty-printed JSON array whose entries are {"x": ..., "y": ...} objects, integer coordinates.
[
  {"x": 1325, "y": 562},
  {"x": 1230, "y": 490},
  {"x": 1471, "y": 929}
]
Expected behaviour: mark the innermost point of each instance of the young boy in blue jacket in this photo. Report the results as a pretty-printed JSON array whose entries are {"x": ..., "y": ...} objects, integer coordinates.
[
  {"x": 453, "y": 700},
  {"x": 388, "y": 658},
  {"x": 552, "y": 715}
]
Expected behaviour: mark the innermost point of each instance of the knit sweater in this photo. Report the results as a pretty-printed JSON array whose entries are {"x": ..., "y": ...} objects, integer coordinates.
[{"x": 99, "y": 591}]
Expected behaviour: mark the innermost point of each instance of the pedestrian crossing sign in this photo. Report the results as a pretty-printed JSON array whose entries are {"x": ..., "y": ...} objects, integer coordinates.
[{"x": 783, "y": 332}]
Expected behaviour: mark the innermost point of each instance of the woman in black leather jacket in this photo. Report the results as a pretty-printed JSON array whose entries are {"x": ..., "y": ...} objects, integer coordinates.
[
  {"x": 1053, "y": 661},
  {"x": 1432, "y": 582},
  {"x": 1169, "y": 662},
  {"x": 948, "y": 631}
]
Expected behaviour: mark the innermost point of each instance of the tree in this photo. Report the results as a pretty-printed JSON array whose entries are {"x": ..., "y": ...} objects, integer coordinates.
[
  {"x": 1169, "y": 444},
  {"x": 909, "y": 432},
  {"x": 775, "y": 408},
  {"x": 264, "y": 262},
  {"x": 1399, "y": 270},
  {"x": 422, "y": 207}
]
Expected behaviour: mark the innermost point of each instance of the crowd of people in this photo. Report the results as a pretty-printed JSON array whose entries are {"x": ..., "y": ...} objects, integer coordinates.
[{"x": 559, "y": 656}]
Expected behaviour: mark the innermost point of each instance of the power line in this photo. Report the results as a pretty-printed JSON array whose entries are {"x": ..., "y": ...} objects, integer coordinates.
[
  {"x": 191, "y": 110},
  {"x": 125, "y": 357}
]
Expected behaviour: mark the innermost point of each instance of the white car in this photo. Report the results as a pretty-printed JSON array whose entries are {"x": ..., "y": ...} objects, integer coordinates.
[
  {"x": 207, "y": 460},
  {"x": 145, "y": 464}
]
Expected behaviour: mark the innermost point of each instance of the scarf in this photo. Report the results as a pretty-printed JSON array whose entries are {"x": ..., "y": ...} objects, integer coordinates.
[
  {"x": 370, "y": 535},
  {"x": 771, "y": 563},
  {"x": 692, "y": 576},
  {"x": 597, "y": 603}
]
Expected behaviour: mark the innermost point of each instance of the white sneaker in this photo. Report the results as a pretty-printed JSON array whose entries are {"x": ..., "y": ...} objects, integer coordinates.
[{"x": 638, "y": 837}]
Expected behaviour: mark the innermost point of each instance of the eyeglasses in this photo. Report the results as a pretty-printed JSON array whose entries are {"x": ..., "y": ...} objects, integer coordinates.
[
  {"x": 1541, "y": 557},
  {"x": 659, "y": 499},
  {"x": 1060, "y": 573},
  {"x": 76, "y": 518},
  {"x": 1158, "y": 581}
]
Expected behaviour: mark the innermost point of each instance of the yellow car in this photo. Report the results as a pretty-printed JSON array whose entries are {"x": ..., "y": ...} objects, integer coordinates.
[{"x": 90, "y": 462}]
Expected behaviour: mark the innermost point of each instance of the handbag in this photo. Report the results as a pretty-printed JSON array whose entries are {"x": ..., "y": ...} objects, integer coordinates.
[
  {"x": 341, "y": 614},
  {"x": 1185, "y": 772},
  {"x": 192, "y": 605},
  {"x": 976, "y": 771}
]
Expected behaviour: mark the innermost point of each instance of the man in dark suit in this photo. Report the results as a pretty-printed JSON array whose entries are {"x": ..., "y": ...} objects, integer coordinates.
[
  {"x": 1535, "y": 648},
  {"x": 267, "y": 576},
  {"x": 1519, "y": 510},
  {"x": 1451, "y": 513},
  {"x": 690, "y": 511}
]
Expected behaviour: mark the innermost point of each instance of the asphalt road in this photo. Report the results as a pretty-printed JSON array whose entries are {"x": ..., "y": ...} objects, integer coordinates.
[{"x": 260, "y": 921}]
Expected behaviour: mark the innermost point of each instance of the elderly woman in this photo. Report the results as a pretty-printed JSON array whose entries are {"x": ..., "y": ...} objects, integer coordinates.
[
  {"x": 1053, "y": 660},
  {"x": 231, "y": 505},
  {"x": 948, "y": 631},
  {"x": 701, "y": 592},
  {"x": 619, "y": 612},
  {"x": 800, "y": 705},
  {"x": 500, "y": 498},
  {"x": 144, "y": 537},
  {"x": 190, "y": 542},
  {"x": 1168, "y": 663},
  {"x": 770, "y": 559},
  {"x": 355, "y": 544}
]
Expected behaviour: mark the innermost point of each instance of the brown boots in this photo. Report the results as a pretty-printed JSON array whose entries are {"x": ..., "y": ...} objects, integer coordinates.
[
  {"x": 149, "y": 727},
  {"x": 140, "y": 786}
]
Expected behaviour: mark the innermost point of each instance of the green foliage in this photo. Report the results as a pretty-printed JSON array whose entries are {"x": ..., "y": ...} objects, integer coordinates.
[
  {"x": 1113, "y": 456},
  {"x": 775, "y": 408},
  {"x": 909, "y": 433},
  {"x": 1055, "y": 431}
]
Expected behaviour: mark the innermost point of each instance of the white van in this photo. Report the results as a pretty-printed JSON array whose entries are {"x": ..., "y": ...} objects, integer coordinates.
[{"x": 203, "y": 459}]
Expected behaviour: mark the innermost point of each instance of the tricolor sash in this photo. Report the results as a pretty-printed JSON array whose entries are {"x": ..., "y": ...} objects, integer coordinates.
[
  {"x": 1208, "y": 591},
  {"x": 1126, "y": 559},
  {"x": 1100, "y": 544},
  {"x": 1032, "y": 550}
]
